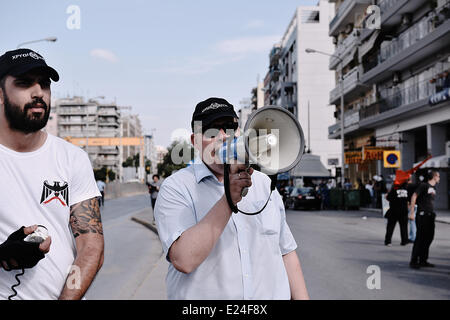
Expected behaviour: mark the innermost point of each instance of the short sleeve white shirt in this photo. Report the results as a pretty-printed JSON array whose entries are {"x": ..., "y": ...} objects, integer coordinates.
[
  {"x": 246, "y": 262},
  {"x": 38, "y": 188}
]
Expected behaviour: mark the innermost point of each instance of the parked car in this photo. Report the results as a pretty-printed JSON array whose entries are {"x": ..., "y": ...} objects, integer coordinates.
[{"x": 305, "y": 197}]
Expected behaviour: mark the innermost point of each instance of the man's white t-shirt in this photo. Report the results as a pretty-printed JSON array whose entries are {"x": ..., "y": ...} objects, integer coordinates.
[{"x": 38, "y": 188}]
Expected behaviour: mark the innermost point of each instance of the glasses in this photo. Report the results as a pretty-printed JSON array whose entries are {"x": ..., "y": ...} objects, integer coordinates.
[{"x": 224, "y": 126}]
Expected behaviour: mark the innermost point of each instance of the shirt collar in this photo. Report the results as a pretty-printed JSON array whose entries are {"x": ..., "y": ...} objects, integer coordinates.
[{"x": 201, "y": 171}]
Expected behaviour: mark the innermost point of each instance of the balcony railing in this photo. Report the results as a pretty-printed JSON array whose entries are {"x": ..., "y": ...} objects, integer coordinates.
[
  {"x": 69, "y": 111},
  {"x": 343, "y": 48},
  {"x": 347, "y": 8},
  {"x": 351, "y": 79},
  {"x": 107, "y": 162},
  {"x": 385, "y": 5},
  {"x": 409, "y": 37},
  {"x": 406, "y": 96},
  {"x": 351, "y": 118},
  {"x": 344, "y": 6}
]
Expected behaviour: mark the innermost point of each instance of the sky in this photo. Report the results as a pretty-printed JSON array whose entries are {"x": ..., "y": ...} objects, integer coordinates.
[{"x": 159, "y": 57}]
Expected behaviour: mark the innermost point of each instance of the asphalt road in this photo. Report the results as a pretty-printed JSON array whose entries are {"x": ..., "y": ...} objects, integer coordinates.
[
  {"x": 131, "y": 250},
  {"x": 336, "y": 248}
]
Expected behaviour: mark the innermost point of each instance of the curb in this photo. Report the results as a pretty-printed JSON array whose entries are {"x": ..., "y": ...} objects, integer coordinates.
[
  {"x": 378, "y": 210},
  {"x": 151, "y": 226}
]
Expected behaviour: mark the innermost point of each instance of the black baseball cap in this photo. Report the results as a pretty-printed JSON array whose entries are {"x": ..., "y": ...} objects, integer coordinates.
[
  {"x": 20, "y": 61},
  {"x": 211, "y": 109}
]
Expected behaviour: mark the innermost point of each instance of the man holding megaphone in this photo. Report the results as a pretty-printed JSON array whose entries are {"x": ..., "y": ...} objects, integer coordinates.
[{"x": 214, "y": 253}]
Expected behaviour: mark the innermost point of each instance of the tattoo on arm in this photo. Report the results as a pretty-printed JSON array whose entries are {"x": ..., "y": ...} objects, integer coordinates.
[{"x": 85, "y": 218}]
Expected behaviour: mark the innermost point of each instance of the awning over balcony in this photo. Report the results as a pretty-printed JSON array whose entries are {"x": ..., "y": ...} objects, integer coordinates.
[
  {"x": 436, "y": 162},
  {"x": 310, "y": 166},
  {"x": 349, "y": 56},
  {"x": 368, "y": 45}
]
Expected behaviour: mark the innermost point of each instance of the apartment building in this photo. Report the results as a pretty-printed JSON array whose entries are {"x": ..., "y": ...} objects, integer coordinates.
[
  {"x": 394, "y": 59},
  {"x": 78, "y": 118},
  {"x": 298, "y": 81}
]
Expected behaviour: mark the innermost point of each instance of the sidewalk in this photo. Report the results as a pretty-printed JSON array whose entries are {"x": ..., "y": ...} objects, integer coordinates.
[
  {"x": 154, "y": 286},
  {"x": 442, "y": 216}
]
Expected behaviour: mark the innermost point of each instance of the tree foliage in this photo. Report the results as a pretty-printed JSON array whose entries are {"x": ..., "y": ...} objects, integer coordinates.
[{"x": 177, "y": 157}]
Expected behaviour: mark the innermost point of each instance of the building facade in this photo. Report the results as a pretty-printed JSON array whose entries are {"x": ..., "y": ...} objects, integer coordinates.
[
  {"x": 150, "y": 153},
  {"x": 131, "y": 127},
  {"x": 394, "y": 59},
  {"x": 297, "y": 80},
  {"x": 78, "y": 118}
]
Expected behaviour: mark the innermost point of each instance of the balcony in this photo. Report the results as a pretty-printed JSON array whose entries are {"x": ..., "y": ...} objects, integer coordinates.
[
  {"x": 351, "y": 123},
  {"x": 108, "y": 112},
  {"x": 424, "y": 39},
  {"x": 345, "y": 50},
  {"x": 402, "y": 103},
  {"x": 275, "y": 73},
  {"x": 353, "y": 88},
  {"x": 71, "y": 111},
  {"x": 392, "y": 10},
  {"x": 71, "y": 122},
  {"x": 106, "y": 162},
  {"x": 108, "y": 123},
  {"x": 108, "y": 133},
  {"x": 108, "y": 151},
  {"x": 346, "y": 14},
  {"x": 77, "y": 133}
]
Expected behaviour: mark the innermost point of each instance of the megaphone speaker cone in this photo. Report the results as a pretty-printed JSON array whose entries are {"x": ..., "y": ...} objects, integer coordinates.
[{"x": 274, "y": 139}]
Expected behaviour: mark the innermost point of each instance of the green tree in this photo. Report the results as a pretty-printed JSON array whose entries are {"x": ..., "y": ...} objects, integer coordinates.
[
  {"x": 132, "y": 161},
  {"x": 100, "y": 174},
  {"x": 181, "y": 152},
  {"x": 111, "y": 175}
]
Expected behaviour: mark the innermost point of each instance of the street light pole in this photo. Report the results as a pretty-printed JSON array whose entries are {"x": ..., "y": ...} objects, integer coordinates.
[
  {"x": 341, "y": 86},
  {"x": 342, "y": 124},
  {"x": 51, "y": 39}
]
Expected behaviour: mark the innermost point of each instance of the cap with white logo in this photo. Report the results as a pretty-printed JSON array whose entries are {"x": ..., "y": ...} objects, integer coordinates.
[
  {"x": 20, "y": 61},
  {"x": 211, "y": 109}
]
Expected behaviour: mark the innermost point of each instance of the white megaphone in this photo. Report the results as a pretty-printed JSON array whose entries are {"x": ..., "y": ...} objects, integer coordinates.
[{"x": 273, "y": 140}]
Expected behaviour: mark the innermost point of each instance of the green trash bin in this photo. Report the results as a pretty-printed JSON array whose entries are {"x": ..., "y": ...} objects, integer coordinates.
[
  {"x": 336, "y": 198},
  {"x": 352, "y": 199}
]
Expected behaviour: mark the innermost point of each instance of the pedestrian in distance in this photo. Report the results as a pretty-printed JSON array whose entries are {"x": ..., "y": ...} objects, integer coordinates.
[
  {"x": 411, "y": 187},
  {"x": 101, "y": 187},
  {"x": 213, "y": 253},
  {"x": 153, "y": 189},
  {"x": 398, "y": 211},
  {"x": 369, "y": 187},
  {"x": 46, "y": 181},
  {"x": 379, "y": 189},
  {"x": 424, "y": 196},
  {"x": 347, "y": 184}
]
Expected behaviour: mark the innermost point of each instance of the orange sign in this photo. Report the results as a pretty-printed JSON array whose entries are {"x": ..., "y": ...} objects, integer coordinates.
[
  {"x": 374, "y": 153},
  {"x": 124, "y": 141},
  {"x": 352, "y": 157}
]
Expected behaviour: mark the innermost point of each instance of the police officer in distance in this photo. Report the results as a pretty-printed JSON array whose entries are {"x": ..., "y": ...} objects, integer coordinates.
[
  {"x": 424, "y": 196},
  {"x": 398, "y": 210}
]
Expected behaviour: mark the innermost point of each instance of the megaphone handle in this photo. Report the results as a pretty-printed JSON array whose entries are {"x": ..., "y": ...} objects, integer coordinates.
[
  {"x": 226, "y": 183},
  {"x": 245, "y": 189}
]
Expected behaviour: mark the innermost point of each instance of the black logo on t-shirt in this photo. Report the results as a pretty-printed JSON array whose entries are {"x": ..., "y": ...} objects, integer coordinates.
[{"x": 55, "y": 192}]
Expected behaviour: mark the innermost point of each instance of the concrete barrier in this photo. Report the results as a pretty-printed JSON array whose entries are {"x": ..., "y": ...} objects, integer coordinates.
[{"x": 116, "y": 189}]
